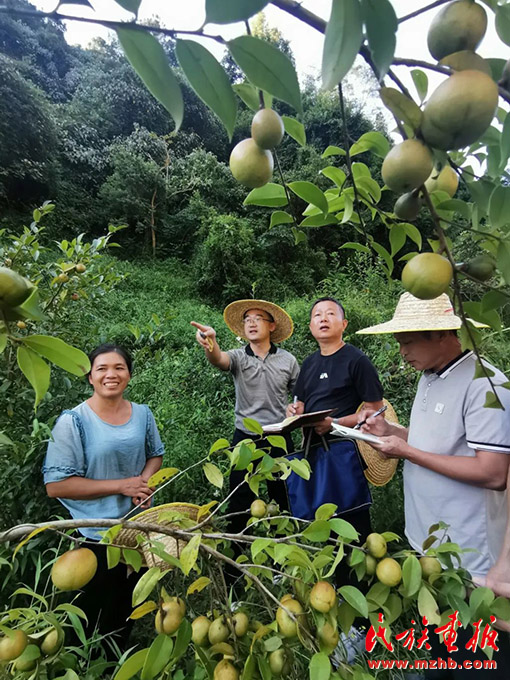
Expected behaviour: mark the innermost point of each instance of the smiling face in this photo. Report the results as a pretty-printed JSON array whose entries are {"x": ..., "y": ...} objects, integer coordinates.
[
  {"x": 327, "y": 321},
  {"x": 258, "y": 325},
  {"x": 109, "y": 375}
]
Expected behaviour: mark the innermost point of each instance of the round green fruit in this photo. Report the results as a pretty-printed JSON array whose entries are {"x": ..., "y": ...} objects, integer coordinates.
[
  {"x": 267, "y": 128},
  {"x": 74, "y": 569},
  {"x": 168, "y": 618},
  {"x": 370, "y": 564},
  {"x": 224, "y": 670},
  {"x": 427, "y": 275},
  {"x": 28, "y": 660},
  {"x": 258, "y": 508},
  {"x": 251, "y": 165},
  {"x": 429, "y": 566},
  {"x": 466, "y": 60},
  {"x": 241, "y": 623},
  {"x": 460, "y": 25},
  {"x": 459, "y": 110},
  {"x": 407, "y": 207},
  {"x": 200, "y": 631},
  {"x": 287, "y": 626},
  {"x": 444, "y": 180},
  {"x": 388, "y": 572},
  {"x": 80, "y": 268},
  {"x": 376, "y": 545},
  {"x": 218, "y": 631},
  {"x": 14, "y": 289},
  {"x": 278, "y": 662},
  {"x": 407, "y": 166},
  {"x": 481, "y": 267},
  {"x": 322, "y": 597},
  {"x": 52, "y": 642},
  {"x": 329, "y": 636},
  {"x": 12, "y": 646}
]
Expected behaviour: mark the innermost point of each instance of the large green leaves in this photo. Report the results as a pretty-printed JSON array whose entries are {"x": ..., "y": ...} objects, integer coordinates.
[
  {"x": 209, "y": 80},
  {"x": 149, "y": 60},
  {"x": 381, "y": 24},
  {"x": 267, "y": 68},
  {"x": 59, "y": 353},
  {"x": 35, "y": 370},
  {"x": 344, "y": 33},
  {"x": 228, "y": 11},
  {"x": 499, "y": 206}
]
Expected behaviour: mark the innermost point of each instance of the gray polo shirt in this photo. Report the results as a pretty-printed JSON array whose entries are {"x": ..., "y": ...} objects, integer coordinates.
[
  {"x": 448, "y": 418},
  {"x": 262, "y": 385}
]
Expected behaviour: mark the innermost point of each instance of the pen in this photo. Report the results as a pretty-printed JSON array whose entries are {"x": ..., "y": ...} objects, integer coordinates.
[
  {"x": 210, "y": 343},
  {"x": 377, "y": 413}
]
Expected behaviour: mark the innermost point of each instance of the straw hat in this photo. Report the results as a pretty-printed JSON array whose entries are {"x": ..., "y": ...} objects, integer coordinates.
[
  {"x": 379, "y": 468},
  {"x": 413, "y": 314},
  {"x": 235, "y": 311}
]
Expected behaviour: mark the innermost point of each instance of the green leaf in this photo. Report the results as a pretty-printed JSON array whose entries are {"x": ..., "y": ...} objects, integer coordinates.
[
  {"x": 300, "y": 467},
  {"x": 320, "y": 667},
  {"x": 161, "y": 476},
  {"x": 496, "y": 66},
  {"x": 384, "y": 254},
  {"x": 501, "y": 608},
  {"x": 427, "y": 606},
  {"x": 326, "y": 511},
  {"x": 112, "y": 556},
  {"x": 456, "y": 205},
  {"x": 189, "y": 554},
  {"x": 398, "y": 237},
  {"x": 317, "y": 531},
  {"x": 252, "y": 425},
  {"x": 145, "y": 585},
  {"x": 258, "y": 545},
  {"x": 499, "y": 206},
  {"x": 355, "y": 598},
  {"x": 493, "y": 299},
  {"x": 250, "y": 96},
  {"x": 295, "y": 129},
  {"x": 219, "y": 445},
  {"x": 149, "y": 60},
  {"x": 5, "y": 441},
  {"x": 411, "y": 575},
  {"x": 381, "y": 25},
  {"x": 270, "y": 195},
  {"x": 336, "y": 175},
  {"x": 208, "y": 79},
  {"x": 61, "y": 354},
  {"x": 129, "y": 5},
  {"x": 503, "y": 23},
  {"x": 267, "y": 68},
  {"x": 413, "y": 233},
  {"x": 230, "y": 11},
  {"x": 491, "y": 401},
  {"x": 503, "y": 260},
  {"x": 35, "y": 370},
  {"x": 356, "y": 246},
  {"x": 310, "y": 193},
  {"x": 133, "y": 558},
  {"x": 3, "y": 339},
  {"x": 421, "y": 83},
  {"x": 344, "y": 33},
  {"x": 157, "y": 657},
  {"x": 299, "y": 236},
  {"x": 198, "y": 585},
  {"x": 277, "y": 441},
  {"x": 333, "y": 151},
  {"x": 318, "y": 221},
  {"x": 213, "y": 474},
  {"x": 403, "y": 108},
  {"x": 131, "y": 665},
  {"x": 505, "y": 142},
  {"x": 344, "y": 529},
  {"x": 280, "y": 217},
  {"x": 371, "y": 141},
  {"x": 182, "y": 639}
]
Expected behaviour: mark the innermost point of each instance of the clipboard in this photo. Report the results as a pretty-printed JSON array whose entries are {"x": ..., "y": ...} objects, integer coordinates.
[
  {"x": 294, "y": 422},
  {"x": 350, "y": 433}
]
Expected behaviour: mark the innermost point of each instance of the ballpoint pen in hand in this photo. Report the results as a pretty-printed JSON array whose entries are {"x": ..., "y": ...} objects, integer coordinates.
[
  {"x": 377, "y": 413},
  {"x": 210, "y": 343}
]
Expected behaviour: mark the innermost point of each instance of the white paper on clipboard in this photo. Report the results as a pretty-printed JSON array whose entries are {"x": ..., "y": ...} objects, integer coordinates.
[{"x": 349, "y": 432}]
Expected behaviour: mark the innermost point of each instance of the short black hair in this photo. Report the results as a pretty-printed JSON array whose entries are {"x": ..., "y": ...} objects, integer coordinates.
[
  {"x": 108, "y": 347},
  {"x": 328, "y": 299},
  {"x": 427, "y": 335}
]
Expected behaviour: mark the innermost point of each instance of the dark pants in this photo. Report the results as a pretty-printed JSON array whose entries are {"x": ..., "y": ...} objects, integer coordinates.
[
  {"x": 106, "y": 600},
  {"x": 360, "y": 520},
  {"x": 242, "y": 499}
]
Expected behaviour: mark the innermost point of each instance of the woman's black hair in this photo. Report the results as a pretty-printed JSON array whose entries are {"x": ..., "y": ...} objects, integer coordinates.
[{"x": 107, "y": 347}]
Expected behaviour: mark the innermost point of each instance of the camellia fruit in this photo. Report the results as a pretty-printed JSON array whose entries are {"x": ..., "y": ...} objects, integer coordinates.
[
  {"x": 287, "y": 626},
  {"x": 465, "y": 60},
  {"x": 407, "y": 166},
  {"x": 240, "y": 622},
  {"x": 481, "y": 267},
  {"x": 200, "y": 631},
  {"x": 329, "y": 636},
  {"x": 11, "y": 646},
  {"x": 459, "y": 110},
  {"x": 430, "y": 566},
  {"x": 407, "y": 206},
  {"x": 370, "y": 564},
  {"x": 445, "y": 180},
  {"x": 376, "y": 545},
  {"x": 180, "y": 602},
  {"x": 52, "y": 642},
  {"x": 460, "y": 25},
  {"x": 427, "y": 275},
  {"x": 267, "y": 128},
  {"x": 170, "y": 620},
  {"x": 80, "y": 268},
  {"x": 224, "y": 670},
  {"x": 258, "y": 508},
  {"x": 251, "y": 165},
  {"x": 14, "y": 289},
  {"x": 218, "y": 631},
  {"x": 28, "y": 660},
  {"x": 323, "y": 597},
  {"x": 74, "y": 569},
  {"x": 278, "y": 662},
  {"x": 389, "y": 572}
]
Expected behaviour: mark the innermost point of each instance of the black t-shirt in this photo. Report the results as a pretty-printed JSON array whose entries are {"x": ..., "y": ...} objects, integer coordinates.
[{"x": 342, "y": 380}]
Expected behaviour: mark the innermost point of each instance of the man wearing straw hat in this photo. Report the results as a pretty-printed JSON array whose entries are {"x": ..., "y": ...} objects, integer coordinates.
[{"x": 263, "y": 374}]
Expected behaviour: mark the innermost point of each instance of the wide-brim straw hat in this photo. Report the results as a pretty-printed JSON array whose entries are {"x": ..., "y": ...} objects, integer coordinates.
[
  {"x": 413, "y": 314},
  {"x": 379, "y": 469},
  {"x": 235, "y": 311},
  {"x": 159, "y": 514}
]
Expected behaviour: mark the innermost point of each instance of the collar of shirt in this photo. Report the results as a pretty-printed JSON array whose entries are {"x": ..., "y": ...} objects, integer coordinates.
[
  {"x": 446, "y": 370},
  {"x": 272, "y": 350}
]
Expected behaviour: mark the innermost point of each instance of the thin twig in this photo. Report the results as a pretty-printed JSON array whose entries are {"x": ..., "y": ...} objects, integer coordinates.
[{"x": 417, "y": 12}]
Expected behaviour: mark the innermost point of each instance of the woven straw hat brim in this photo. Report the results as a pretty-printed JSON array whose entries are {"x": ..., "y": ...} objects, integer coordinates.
[
  {"x": 379, "y": 469},
  {"x": 413, "y": 314},
  {"x": 235, "y": 311}
]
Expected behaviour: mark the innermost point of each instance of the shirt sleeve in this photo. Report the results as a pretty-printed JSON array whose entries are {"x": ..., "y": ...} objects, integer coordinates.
[
  {"x": 366, "y": 379},
  {"x": 487, "y": 429},
  {"x": 294, "y": 374},
  {"x": 153, "y": 444},
  {"x": 65, "y": 456},
  {"x": 235, "y": 355}
]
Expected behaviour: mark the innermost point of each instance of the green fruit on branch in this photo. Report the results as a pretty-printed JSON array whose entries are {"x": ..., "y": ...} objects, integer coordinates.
[
  {"x": 429, "y": 566},
  {"x": 323, "y": 597},
  {"x": 74, "y": 569},
  {"x": 445, "y": 180},
  {"x": 329, "y": 637},
  {"x": 180, "y": 603},
  {"x": 465, "y": 60},
  {"x": 168, "y": 618},
  {"x": 200, "y": 631},
  {"x": 279, "y": 662},
  {"x": 27, "y": 661},
  {"x": 427, "y": 276},
  {"x": 370, "y": 564},
  {"x": 240, "y": 623},
  {"x": 21, "y": 325},
  {"x": 267, "y": 128},
  {"x": 218, "y": 631},
  {"x": 407, "y": 166},
  {"x": 11, "y": 646},
  {"x": 286, "y": 625},
  {"x": 481, "y": 267},
  {"x": 224, "y": 670},
  {"x": 461, "y": 25},
  {"x": 389, "y": 572},
  {"x": 272, "y": 509},
  {"x": 258, "y": 508},
  {"x": 52, "y": 642},
  {"x": 407, "y": 206},
  {"x": 251, "y": 165},
  {"x": 80, "y": 268},
  {"x": 460, "y": 110},
  {"x": 14, "y": 289},
  {"x": 376, "y": 545}
]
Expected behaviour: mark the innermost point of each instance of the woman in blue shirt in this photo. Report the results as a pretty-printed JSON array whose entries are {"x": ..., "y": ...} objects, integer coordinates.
[{"x": 99, "y": 461}]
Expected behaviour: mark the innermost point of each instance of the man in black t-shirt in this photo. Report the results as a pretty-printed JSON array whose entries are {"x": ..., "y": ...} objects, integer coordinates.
[{"x": 337, "y": 376}]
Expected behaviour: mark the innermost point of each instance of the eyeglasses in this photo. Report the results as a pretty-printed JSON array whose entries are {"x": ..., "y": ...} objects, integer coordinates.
[{"x": 255, "y": 319}]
